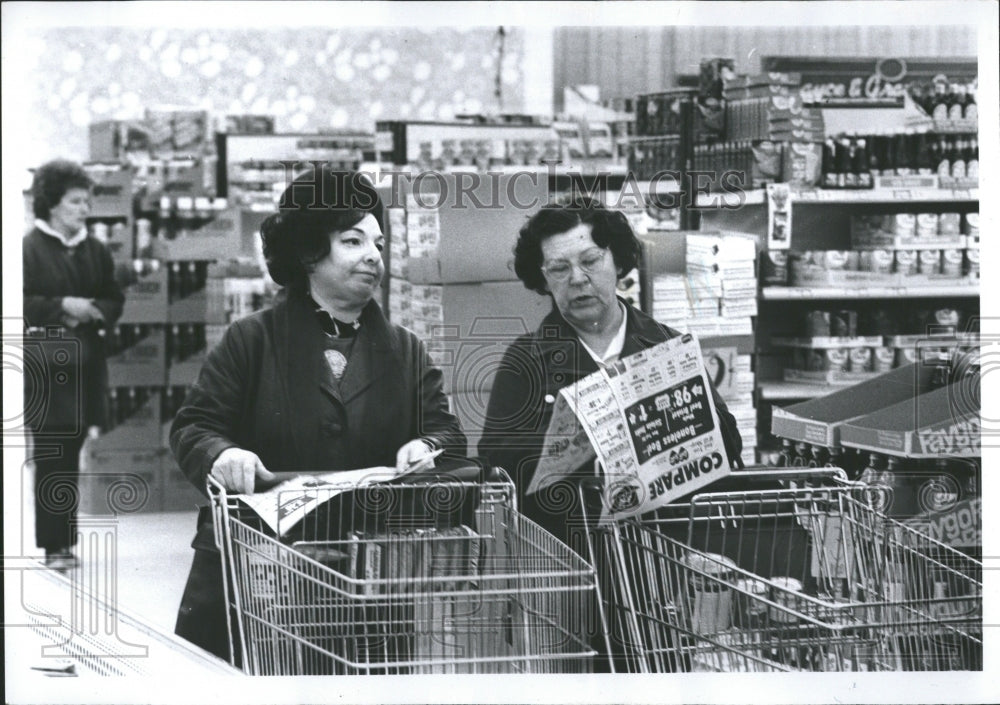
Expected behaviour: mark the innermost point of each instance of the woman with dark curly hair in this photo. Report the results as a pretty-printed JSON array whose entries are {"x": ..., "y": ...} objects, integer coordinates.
[
  {"x": 69, "y": 288},
  {"x": 321, "y": 381},
  {"x": 574, "y": 252}
]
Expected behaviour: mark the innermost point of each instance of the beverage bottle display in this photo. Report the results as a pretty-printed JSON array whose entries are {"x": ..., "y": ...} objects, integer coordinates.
[
  {"x": 972, "y": 159},
  {"x": 874, "y": 476},
  {"x": 842, "y": 161},
  {"x": 802, "y": 455},
  {"x": 859, "y": 164},
  {"x": 956, "y": 103},
  {"x": 940, "y": 111},
  {"x": 112, "y": 409},
  {"x": 901, "y": 150},
  {"x": 829, "y": 164},
  {"x": 876, "y": 152},
  {"x": 787, "y": 453},
  {"x": 820, "y": 457},
  {"x": 958, "y": 160},
  {"x": 944, "y": 166},
  {"x": 971, "y": 111},
  {"x": 925, "y": 164}
]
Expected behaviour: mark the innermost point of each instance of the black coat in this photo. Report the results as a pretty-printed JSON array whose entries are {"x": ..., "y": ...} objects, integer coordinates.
[
  {"x": 266, "y": 388},
  {"x": 535, "y": 367},
  {"x": 53, "y": 271}
]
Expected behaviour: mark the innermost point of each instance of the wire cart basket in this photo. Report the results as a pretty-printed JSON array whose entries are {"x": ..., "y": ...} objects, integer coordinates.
[
  {"x": 438, "y": 577},
  {"x": 800, "y": 573}
]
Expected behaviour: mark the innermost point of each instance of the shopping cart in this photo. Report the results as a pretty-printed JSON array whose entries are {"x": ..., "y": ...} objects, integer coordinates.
[
  {"x": 799, "y": 573},
  {"x": 440, "y": 576}
]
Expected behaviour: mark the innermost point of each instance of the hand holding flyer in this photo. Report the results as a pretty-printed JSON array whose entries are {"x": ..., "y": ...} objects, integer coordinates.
[{"x": 652, "y": 423}]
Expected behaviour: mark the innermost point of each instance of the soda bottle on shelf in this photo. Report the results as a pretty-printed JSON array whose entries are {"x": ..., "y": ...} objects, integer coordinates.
[
  {"x": 843, "y": 160},
  {"x": 924, "y": 160},
  {"x": 956, "y": 105},
  {"x": 829, "y": 164},
  {"x": 787, "y": 453},
  {"x": 903, "y": 145},
  {"x": 940, "y": 110},
  {"x": 874, "y": 476},
  {"x": 972, "y": 159},
  {"x": 192, "y": 277},
  {"x": 947, "y": 158},
  {"x": 820, "y": 457},
  {"x": 859, "y": 164},
  {"x": 876, "y": 154},
  {"x": 971, "y": 111},
  {"x": 958, "y": 159},
  {"x": 802, "y": 455}
]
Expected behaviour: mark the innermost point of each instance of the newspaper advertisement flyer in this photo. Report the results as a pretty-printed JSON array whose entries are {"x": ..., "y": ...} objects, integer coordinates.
[
  {"x": 650, "y": 420},
  {"x": 284, "y": 505}
]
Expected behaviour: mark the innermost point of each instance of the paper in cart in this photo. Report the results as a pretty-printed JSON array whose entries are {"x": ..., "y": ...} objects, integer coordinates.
[
  {"x": 284, "y": 505},
  {"x": 650, "y": 420}
]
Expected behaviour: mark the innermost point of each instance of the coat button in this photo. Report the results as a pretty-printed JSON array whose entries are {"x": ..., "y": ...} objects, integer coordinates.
[{"x": 333, "y": 428}]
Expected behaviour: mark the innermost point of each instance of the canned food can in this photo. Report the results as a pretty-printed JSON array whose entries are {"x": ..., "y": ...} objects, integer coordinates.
[
  {"x": 844, "y": 323},
  {"x": 860, "y": 359},
  {"x": 904, "y": 224},
  {"x": 875, "y": 261},
  {"x": 927, "y": 224},
  {"x": 835, "y": 359},
  {"x": 945, "y": 317},
  {"x": 818, "y": 324},
  {"x": 883, "y": 359},
  {"x": 930, "y": 261},
  {"x": 833, "y": 259},
  {"x": 971, "y": 224},
  {"x": 972, "y": 262},
  {"x": 951, "y": 263},
  {"x": 906, "y": 262},
  {"x": 949, "y": 224}
]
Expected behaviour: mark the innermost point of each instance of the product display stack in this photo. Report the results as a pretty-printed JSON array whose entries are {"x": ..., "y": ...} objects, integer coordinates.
[
  {"x": 452, "y": 282},
  {"x": 706, "y": 284}
]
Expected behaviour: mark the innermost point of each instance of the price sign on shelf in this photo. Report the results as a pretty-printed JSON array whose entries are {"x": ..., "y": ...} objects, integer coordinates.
[{"x": 902, "y": 195}]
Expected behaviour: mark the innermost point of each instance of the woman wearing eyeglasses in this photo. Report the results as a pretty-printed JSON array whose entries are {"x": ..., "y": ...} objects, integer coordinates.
[{"x": 575, "y": 253}]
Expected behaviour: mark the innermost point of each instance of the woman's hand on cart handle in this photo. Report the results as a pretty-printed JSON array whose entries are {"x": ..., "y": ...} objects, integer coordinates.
[
  {"x": 237, "y": 470},
  {"x": 415, "y": 456}
]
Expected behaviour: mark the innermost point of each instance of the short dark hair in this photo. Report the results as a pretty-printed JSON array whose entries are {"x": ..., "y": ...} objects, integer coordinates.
[
  {"x": 611, "y": 230},
  {"x": 318, "y": 202},
  {"x": 51, "y": 182}
]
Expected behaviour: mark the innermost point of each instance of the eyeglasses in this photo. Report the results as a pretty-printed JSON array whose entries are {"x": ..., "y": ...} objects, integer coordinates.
[{"x": 560, "y": 270}]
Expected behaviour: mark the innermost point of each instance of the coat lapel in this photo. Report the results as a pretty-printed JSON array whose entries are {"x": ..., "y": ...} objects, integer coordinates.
[
  {"x": 300, "y": 354},
  {"x": 371, "y": 355}
]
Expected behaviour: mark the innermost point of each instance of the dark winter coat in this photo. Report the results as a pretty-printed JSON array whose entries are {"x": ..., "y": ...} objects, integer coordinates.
[
  {"x": 536, "y": 366},
  {"x": 53, "y": 271}
]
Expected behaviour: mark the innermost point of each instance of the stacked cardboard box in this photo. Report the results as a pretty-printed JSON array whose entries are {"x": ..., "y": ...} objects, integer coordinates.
[{"x": 452, "y": 280}]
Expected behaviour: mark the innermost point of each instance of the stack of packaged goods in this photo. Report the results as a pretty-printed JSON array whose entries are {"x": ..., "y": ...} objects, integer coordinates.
[
  {"x": 844, "y": 346},
  {"x": 451, "y": 282},
  {"x": 770, "y": 136},
  {"x": 656, "y": 146},
  {"x": 715, "y": 299}
]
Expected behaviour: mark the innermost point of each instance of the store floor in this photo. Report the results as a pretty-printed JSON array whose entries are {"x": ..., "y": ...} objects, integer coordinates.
[{"x": 154, "y": 557}]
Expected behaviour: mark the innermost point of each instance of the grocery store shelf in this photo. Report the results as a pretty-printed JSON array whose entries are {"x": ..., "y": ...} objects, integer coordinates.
[
  {"x": 836, "y": 196},
  {"x": 795, "y": 293},
  {"x": 795, "y": 390}
]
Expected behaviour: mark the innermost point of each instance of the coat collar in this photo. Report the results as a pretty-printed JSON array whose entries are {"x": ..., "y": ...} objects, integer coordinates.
[
  {"x": 68, "y": 242},
  {"x": 563, "y": 351}
]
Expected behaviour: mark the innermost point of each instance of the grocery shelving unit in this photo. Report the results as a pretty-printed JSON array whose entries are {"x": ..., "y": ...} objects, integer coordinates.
[{"x": 821, "y": 221}]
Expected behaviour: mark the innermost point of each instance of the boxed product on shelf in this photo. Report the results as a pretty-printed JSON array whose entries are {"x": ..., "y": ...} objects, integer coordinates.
[
  {"x": 133, "y": 418},
  {"x": 186, "y": 351},
  {"x": 139, "y": 355},
  {"x": 229, "y": 233},
  {"x": 145, "y": 293},
  {"x": 120, "y": 481},
  {"x": 453, "y": 237},
  {"x": 940, "y": 422},
  {"x": 819, "y": 420},
  {"x": 182, "y": 131},
  {"x": 111, "y": 194},
  {"x": 467, "y": 327},
  {"x": 738, "y": 308},
  {"x": 118, "y": 140},
  {"x": 802, "y": 158}
]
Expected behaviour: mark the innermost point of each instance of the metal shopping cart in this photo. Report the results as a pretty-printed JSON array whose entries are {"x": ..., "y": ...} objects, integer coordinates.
[
  {"x": 799, "y": 573},
  {"x": 439, "y": 576}
]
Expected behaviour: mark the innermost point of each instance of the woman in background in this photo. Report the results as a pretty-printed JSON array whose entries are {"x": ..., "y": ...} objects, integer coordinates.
[{"x": 69, "y": 289}]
